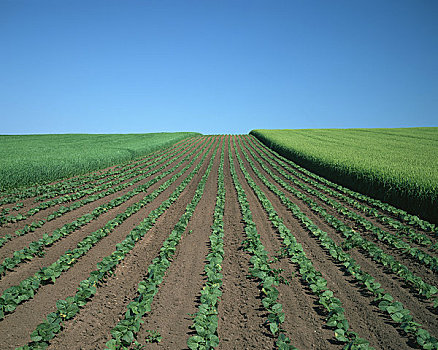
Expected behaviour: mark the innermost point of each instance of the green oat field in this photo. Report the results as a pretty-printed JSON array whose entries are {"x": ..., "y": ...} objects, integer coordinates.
[
  {"x": 213, "y": 242},
  {"x": 34, "y": 159},
  {"x": 397, "y": 165}
]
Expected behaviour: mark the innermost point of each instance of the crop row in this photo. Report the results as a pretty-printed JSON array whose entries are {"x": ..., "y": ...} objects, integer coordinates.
[
  {"x": 335, "y": 318},
  {"x": 205, "y": 321},
  {"x": 69, "y": 307},
  {"x": 398, "y": 313},
  {"x": 384, "y": 236},
  {"x": 108, "y": 186},
  {"x": 72, "y": 184},
  {"x": 401, "y": 228},
  {"x": 261, "y": 270},
  {"x": 36, "y": 248},
  {"x": 354, "y": 239},
  {"x": 125, "y": 332},
  {"x": 90, "y": 199},
  {"x": 27, "y": 288},
  {"x": 396, "y": 212}
]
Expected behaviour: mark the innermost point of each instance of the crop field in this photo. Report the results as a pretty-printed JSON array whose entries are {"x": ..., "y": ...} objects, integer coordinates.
[
  {"x": 394, "y": 165},
  {"x": 214, "y": 242},
  {"x": 29, "y": 159}
]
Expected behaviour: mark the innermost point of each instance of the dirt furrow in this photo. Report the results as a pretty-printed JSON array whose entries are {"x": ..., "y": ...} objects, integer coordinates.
[
  {"x": 23, "y": 241},
  {"x": 28, "y": 315},
  {"x": 91, "y": 328},
  {"x": 363, "y": 202},
  {"x": 384, "y": 226},
  {"x": 417, "y": 268},
  {"x": 304, "y": 321},
  {"x": 364, "y": 318},
  {"x": 52, "y": 253},
  {"x": 241, "y": 313},
  {"x": 59, "y": 221},
  {"x": 170, "y": 314}
]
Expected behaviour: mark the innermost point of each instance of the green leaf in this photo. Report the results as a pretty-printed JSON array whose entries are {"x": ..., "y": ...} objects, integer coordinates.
[
  {"x": 194, "y": 342},
  {"x": 387, "y": 297},
  {"x": 273, "y": 326},
  {"x": 112, "y": 344},
  {"x": 395, "y": 307},
  {"x": 383, "y": 305},
  {"x": 128, "y": 338},
  {"x": 35, "y": 336},
  {"x": 277, "y": 308},
  {"x": 340, "y": 335},
  {"x": 214, "y": 340},
  {"x": 397, "y": 317}
]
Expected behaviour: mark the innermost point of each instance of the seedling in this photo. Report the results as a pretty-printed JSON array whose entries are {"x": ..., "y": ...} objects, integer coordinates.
[{"x": 153, "y": 336}]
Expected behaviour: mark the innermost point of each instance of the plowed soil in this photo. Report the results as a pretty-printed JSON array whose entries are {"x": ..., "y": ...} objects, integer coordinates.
[{"x": 242, "y": 318}]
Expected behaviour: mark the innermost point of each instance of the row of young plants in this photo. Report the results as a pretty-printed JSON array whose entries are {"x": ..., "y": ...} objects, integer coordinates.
[
  {"x": 399, "y": 213},
  {"x": 63, "y": 210},
  {"x": 69, "y": 184},
  {"x": 37, "y": 248},
  {"x": 267, "y": 277},
  {"x": 14, "y": 195},
  {"x": 6, "y": 211},
  {"x": 107, "y": 188},
  {"x": 124, "y": 169},
  {"x": 90, "y": 187},
  {"x": 27, "y": 288},
  {"x": 336, "y": 319},
  {"x": 66, "y": 192},
  {"x": 354, "y": 239},
  {"x": 40, "y": 189},
  {"x": 400, "y": 315},
  {"x": 205, "y": 320},
  {"x": 383, "y": 236},
  {"x": 70, "y": 307},
  {"x": 39, "y": 223},
  {"x": 120, "y": 169},
  {"x": 83, "y": 185},
  {"x": 126, "y": 330},
  {"x": 402, "y": 229}
]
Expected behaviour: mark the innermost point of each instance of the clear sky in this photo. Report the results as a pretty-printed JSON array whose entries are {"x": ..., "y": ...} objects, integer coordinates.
[{"x": 222, "y": 66}]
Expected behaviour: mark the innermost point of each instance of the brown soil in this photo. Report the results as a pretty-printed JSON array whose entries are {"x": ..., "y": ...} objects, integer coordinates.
[
  {"x": 380, "y": 211},
  {"x": 18, "y": 242},
  {"x": 242, "y": 318},
  {"x": 391, "y": 283}
]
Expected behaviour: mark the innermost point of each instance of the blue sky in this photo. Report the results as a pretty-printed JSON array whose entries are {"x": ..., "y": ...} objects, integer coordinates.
[{"x": 106, "y": 66}]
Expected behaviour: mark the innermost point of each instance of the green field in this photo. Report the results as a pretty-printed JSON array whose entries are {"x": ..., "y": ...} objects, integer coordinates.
[
  {"x": 31, "y": 159},
  {"x": 397, "y": 165}
]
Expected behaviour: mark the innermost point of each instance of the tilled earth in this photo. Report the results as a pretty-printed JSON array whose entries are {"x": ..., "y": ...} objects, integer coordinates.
[{"x": 242, "y": 317}]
